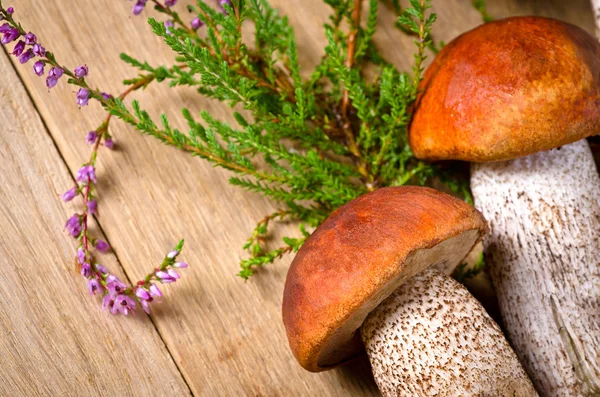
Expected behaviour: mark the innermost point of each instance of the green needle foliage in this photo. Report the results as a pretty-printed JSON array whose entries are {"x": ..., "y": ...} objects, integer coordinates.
[
  {"x": 462, "y": 273},
  {"x": 309, "y": 143},
  {"x": 480, "y": 6}
]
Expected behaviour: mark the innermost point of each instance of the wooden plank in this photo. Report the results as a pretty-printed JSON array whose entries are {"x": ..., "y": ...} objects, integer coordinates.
[
  {"x": 225, "y": 335},
  {"x": 55, "y": 338}
]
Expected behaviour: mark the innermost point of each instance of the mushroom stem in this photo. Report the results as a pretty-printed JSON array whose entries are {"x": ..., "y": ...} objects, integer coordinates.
[
  {"x": 596, "y": 8},
  {"x": 544, "y": 254},
  {"x": 432, "y": 338}
]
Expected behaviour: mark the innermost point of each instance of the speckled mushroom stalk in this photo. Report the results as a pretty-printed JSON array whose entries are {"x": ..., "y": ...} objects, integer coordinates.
[
  {"x": 430, "y": 337},
  {"x": 512, "y": 96}
]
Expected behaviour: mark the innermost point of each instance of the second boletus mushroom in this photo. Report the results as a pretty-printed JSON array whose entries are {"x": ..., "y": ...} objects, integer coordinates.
[
  {"x": 379, "y": 264},
  {"x": 518, "y": 97}
]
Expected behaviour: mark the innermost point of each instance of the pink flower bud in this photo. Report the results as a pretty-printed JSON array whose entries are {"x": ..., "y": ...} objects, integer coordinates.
[
  {"x": 102, "y": 246},
  {"x": 81, "y": 71},
  {"x": 38, "y": 68},
  {"x": 69, "y": 194}
]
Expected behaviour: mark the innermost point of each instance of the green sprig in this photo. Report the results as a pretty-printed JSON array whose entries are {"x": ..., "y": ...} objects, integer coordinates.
[{"x": 293, "y": 142}]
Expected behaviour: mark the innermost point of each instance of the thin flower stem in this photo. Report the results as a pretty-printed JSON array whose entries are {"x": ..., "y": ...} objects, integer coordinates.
[
  {"x": 85, "y": 215},
  {"x": 175, "y": 17},
  {"x": 350, "y": 53},
  {"x": 257, "y": 236},
  {"x": 239, "y": 30},
  {"x": 421, "y": 48},
  {"x": 143, "y": 82},
  {"x": 157, "y": 132},
  {"x": 345, "y": 103}
]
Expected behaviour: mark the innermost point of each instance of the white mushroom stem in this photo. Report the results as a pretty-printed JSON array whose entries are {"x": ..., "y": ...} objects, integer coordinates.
[
  {"x": 596, "y": 8},
  {"x": 432, "y": 338},
  {"x": 543, "y": 250}
]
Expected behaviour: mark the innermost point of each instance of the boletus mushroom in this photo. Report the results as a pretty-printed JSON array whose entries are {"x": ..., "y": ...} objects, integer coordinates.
[
  {"x": 517, "y": 97},
  {"x": 380, "y": 264}
]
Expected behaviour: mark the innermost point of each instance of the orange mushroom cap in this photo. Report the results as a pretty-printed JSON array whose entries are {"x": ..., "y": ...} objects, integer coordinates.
[
  {"x": 507, "y": 89},
  {"x": 359, "y": 256}
]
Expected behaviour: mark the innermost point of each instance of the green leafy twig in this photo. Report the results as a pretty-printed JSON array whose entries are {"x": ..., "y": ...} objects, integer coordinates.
[
  {"x": 462, "y": 273},
  {"x": 481, "y": 7}
]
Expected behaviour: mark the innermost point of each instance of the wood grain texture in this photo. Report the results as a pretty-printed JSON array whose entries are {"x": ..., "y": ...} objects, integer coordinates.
[
  {"x": 225, "y": 335},
  {"x": 55, "y": 338}
]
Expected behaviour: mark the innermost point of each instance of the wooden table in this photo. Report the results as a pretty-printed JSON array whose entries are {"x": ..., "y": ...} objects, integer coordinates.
[{"x": 214, "y": 334}]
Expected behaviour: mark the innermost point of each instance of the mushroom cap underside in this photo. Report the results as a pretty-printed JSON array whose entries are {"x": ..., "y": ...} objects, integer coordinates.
[
  {"x": 507, "y": 89},
  {"x": 359, "y": 256}
]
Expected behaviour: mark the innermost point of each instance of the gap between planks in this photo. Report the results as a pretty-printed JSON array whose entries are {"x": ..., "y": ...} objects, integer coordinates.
[{"x": 28, "y": 100}]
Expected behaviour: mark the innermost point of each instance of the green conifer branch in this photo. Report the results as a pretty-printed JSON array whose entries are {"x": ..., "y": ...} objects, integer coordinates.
[{"x": 311, "y": 144}]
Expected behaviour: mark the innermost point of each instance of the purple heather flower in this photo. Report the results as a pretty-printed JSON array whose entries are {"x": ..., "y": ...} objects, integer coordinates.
[
  {"x": 81, "y": 71},
  {"x": 69, "y": 194},
  {"x": 144, "y": 302},
  {"x": 108, "y": 302},
  {"x": 10, "y": 10},
  {"x": 91, "y": 137},
  {"x": 222, "y": 3},
  {"x": 26, "y": 56},
  {"x": 101, "y": 268},
  {"x": 5, "y": 28},
  {"x": 39, "y": 50},
  {"x": 86, "y": 172},
  {"x": 102, "y": 246},
  {"x": 81, "y": 256},
  {"x": 92, "y": 206},
  {"x": 51, "y": 82},
  {"x": 170, "y": 3},
  {"x": 142, "y": 294},
  {"x": 172, "y": 254},
  {"x": 106, "y": 96},
  {"x": 180, "y": 264},
  {"x": 109, "y": 143},
  {"x": 165, "y": 277},
  {"x": 94, "y": 286},
  {"x": 123, "y": 304},
  {"x": 38, "y": 68},
  {"x": 168, "y": 26},
  {"x": 56, "y": 72},
  {"x": 10, "y": 35},
  {"x": 19, "y": 47},
  {"x": 83, "y": 96},
  {"x": 53, "y": 76},
  {"x": 196, "y": 23},
  {"x": 145, "y": 296},
  {"x": 114, "y": 285},
  {"x": 86, "y": 270},
  {"x": 139, "y": 7},
  {"x": 145, "y": 306},
  {"x": 154, "y": 291},
  {"x": 73, "y": 225},
  {"x": 30, "y": 38},
  {"x": 173, "y": 274}
]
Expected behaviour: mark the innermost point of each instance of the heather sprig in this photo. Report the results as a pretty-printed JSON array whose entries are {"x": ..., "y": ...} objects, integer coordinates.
[
  {"x": 117, "y": 297},
  {"x": 309, "y": 143},
  {"x": 481, "y": 6},
  {"x": 462, "y": 273}
]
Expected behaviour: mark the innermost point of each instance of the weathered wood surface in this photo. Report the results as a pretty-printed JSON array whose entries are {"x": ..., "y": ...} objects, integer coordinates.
[
  {"x": 55, "y": 341},
  {"x": 224, "y": 335}
]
